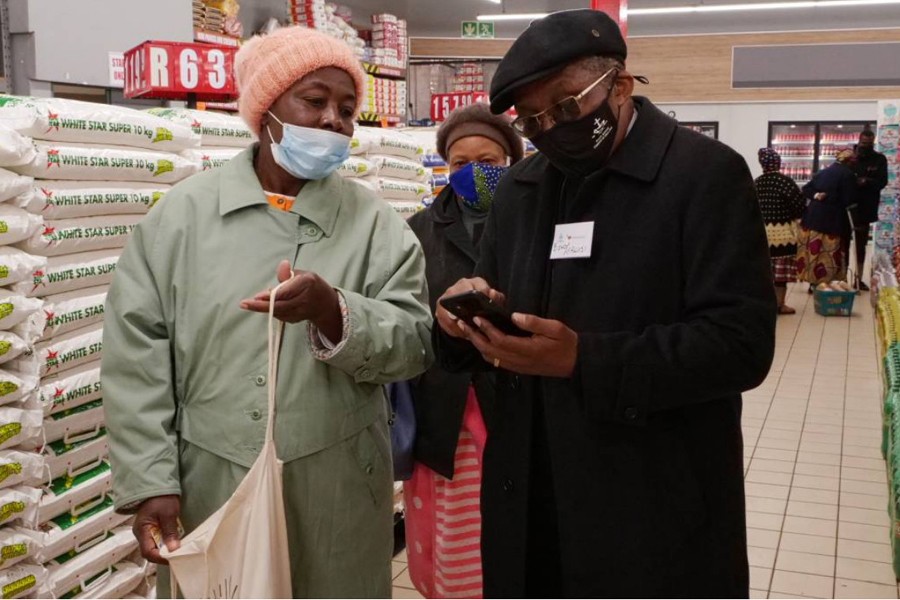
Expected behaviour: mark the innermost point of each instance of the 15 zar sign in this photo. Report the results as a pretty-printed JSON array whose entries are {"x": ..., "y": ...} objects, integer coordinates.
[{"x": 178, "y": 71}]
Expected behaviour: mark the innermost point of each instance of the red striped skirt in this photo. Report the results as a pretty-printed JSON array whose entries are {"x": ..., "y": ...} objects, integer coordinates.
[{"x": 443, "y": 518}]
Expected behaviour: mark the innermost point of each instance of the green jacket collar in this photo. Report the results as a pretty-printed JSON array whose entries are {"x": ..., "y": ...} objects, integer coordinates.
[{"x": 318, "y": 201}]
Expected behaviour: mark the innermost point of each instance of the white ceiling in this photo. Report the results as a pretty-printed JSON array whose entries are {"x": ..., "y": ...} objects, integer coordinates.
[{"x": 441, "y": 18}]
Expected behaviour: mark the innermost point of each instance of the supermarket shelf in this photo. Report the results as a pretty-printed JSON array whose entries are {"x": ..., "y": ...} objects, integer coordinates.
[
  {"x": 230, "y": 106},
  {"x": 810, "y": 143},
  {"x": 210, "y": 37},
  {"x": 810, "y": 157},
  {"x": 383, "y": 71},
  {"x": 370, "y": 117}
]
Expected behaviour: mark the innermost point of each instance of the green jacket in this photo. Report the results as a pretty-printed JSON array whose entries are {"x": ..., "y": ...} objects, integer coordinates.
[{"x": 182, "y": 359}]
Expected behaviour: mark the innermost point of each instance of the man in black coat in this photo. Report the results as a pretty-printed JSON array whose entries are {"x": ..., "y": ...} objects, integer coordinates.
[
  {"x": 871, "y": 178},
  {"x": 634, "y": 252}
]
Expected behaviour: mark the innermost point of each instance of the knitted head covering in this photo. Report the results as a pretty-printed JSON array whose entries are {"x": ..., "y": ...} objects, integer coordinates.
[
  {"x": 770, "y": 160},
  {"x": 266, "y": 66},
  {"x": 477, "y": 120},
  {"x": 844, "y": 155}
]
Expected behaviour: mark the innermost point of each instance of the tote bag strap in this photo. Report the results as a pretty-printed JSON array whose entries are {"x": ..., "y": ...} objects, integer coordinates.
[{"x": 275, "y": 334}]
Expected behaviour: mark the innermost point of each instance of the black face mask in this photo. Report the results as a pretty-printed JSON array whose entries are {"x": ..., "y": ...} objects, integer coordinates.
[
  {"x": 865, "y": 150},
  {"x": 583, "y": 146}
]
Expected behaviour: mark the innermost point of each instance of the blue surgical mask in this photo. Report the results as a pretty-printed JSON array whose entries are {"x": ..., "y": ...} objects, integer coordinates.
[
  {"x": 308, "y": 153},
  {"x": 475, "y": 184}
]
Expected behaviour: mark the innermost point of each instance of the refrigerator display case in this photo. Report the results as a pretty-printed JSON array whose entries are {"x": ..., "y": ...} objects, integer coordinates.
[
  {"x": 807, "y": 147},
  {"x": 707, "y": 128}
]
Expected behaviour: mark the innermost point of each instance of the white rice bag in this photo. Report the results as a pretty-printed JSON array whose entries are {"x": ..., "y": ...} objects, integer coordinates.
[
  {"x": 17, "y": 224},
  {"x": 363, "y": 139},
  {"x": 21, "y": 468},
  {"x": 11, "y": 346},
  {"x": 211, "y": 158},
  {"x": 70, "y": 272},
  {"x": 77, "y": 572},
  {"x": 356, "y": 166},
  {"x": 105, "y": 163},
  {"x": 399, "y": 168},
  {"x": 16, "y": 265},
  {"x": 395, "y": 143},
  {"x": 73, "y": 199},
  {"x": 215, "y": 129},
  {"x": 13, "y": 184},
  {"x": 63, "y": 313},
  {"x": 15, "y": 547},
  {"x": 15, "y": 149},
  {"x": 20, "y": 427},
  {"x": 398, "y": 189},
  {"x": 68, "y": 236},
  {"x": 15, "y": 308},
  {"x": 66, "y": 533},
  {"x": 76, "y": 458},
  {"x": 22, "y": 580},
  {"x": 70, "y": 389},
  {"x": 75, "y": 425},
  {"x": 125, "y": 579},
  {"x": 14, "y": 386},
  {"x": 20, "y": 504},
  {"x": 62, "y": 353},
  {"x": 64, "y": 120},
  {"x": 75, "y": 495},
  {"x": 407, "y": 209}
]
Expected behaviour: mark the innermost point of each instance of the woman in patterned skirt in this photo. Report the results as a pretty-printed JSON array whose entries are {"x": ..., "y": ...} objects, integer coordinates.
[
  {"x": 781, "y": 204},
  {"x": 825, "y": 226}
]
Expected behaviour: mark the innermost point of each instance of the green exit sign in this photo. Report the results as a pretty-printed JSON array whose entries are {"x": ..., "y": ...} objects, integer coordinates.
[{"x": 477, "y": 29}]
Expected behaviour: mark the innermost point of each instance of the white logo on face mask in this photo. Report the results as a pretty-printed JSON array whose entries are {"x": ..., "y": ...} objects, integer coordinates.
[{"x": 602, "y": 129}]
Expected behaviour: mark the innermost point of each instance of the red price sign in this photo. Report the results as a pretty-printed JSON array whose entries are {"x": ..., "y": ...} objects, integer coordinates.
[
  {"x": 176, "y": 70},
  {"x": 444, "y": 104}
]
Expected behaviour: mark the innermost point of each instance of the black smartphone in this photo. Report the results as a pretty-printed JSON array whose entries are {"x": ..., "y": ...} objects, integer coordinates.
[{"x": 469, "y": 305}]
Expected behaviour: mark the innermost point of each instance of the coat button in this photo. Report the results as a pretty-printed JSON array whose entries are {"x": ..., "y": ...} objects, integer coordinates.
[
  {"x": 364, "y": 374},
  {"x": 515, "y": 382},
  {"x": 256, "y": 415},
  {"x": 508, "y": 485},
  {"x": 631, "y": 413},
  {"x": 260, "y": 380},
  {"x": 370, "y": 469},
  {"x": 311, "y": 231}
]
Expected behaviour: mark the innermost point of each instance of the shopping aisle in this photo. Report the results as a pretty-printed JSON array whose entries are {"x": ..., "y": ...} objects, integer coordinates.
[{"x": 816, "y": 485}]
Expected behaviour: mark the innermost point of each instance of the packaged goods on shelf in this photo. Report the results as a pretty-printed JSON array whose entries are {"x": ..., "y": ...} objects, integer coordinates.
[
  {"x": 15, "y": 149},
  {"x": 214, "y": 128},
  {"x": 60, "y": 120},
  {"x": 21, "y": 468},
  {"x": 20, "y": 427},
  {"x": 22, "y": 580},
  {"x": 105, "y": 163},
  {"x": 72, "y": 199},
  {"x": 211, "y": 158},
  {"x": 17, "y": 265},
  {"x": 16, "y": 547},
  {"x": 63, "y": 313},
  {"x": 356, "y": 166},
  {"x": 67, "y": 390},
  {"x": 13, "y": 184},
  {"x": 401, "y": 190},
  {"x": 69, "y": 273},
  {"x": 72, "y": 459},
  {"x": 67, "y": 533},
  {"x": 15, "y": 386},
  {"x": 126, "y": 577},
  {"x": 11, "y": 346},
  {"x": 17, "y": 224},
  {"x": 19, "y": 505},
  {"x": 84, "y": 234},
  {"x": 398, "y": 168},
  {"x": 75, "y": 495},
  {"x": 62, "y": 353},
  {"x": 75, "y": 424},
  {"x": 15, "y": 308}
]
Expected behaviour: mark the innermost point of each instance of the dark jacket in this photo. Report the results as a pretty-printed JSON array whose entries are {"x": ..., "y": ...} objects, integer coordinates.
[
  {"x": 874, "y": 168},
  {"x": 439, "y": 396},
  {"x": 838, "y": 183},
  {"x": 675, "y": 313}
]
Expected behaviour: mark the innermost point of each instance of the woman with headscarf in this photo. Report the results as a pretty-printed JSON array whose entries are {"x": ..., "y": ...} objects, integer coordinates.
[
  {"x": 443, "y": 518},
  {"x": 185, "y": 362},
  {"x": 781, "y": 204},
  {"x": 825, "y": 228}
]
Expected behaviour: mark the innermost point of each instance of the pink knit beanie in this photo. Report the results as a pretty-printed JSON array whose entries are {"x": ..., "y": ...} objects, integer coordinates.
[{"x": 267, "y": 65}]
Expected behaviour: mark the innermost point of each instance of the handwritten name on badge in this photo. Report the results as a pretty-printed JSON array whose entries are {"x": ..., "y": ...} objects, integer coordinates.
[{"x": 573, "y": 240}]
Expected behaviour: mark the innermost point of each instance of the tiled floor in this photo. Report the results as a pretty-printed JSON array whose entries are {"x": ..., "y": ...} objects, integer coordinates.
[{"x": 817, "y": 519}]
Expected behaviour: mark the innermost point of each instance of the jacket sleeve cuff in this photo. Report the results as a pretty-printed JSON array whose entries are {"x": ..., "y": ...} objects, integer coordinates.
[
  {"x": 323, "y": 348},
  {"x": 130, "y": 504}
]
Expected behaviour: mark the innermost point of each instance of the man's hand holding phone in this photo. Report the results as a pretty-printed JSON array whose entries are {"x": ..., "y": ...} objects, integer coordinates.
[{"x": 551, "y": 349}]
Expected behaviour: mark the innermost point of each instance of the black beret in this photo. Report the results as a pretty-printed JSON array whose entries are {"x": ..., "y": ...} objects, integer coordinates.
[{"x": 551, "y": 43}]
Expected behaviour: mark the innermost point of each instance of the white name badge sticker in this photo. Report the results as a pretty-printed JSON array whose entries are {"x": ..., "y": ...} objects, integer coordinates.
[{"x": 573, "y": 240}]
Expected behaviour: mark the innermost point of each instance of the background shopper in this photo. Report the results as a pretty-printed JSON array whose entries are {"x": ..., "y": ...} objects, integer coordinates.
[{"x": 870, "y": 168}]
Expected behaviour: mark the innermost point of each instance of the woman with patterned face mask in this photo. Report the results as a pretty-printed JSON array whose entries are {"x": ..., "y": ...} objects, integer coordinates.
[
  {"x": 184, "y": 372},
  {"x": 452, "y": 409}
]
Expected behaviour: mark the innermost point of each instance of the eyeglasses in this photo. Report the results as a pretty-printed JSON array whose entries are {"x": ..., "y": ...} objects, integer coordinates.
[{"x": 564, "y": 111}]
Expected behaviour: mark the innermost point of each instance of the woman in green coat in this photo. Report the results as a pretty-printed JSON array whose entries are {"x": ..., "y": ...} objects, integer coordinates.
[{"x": 184, "y": 369}]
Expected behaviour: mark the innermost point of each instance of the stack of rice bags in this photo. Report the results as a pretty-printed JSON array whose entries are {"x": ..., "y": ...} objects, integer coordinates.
[
  {"x": 389, "y": 162},
  {"x": 97, "y": 170},
  {"x": 222, "y": 136}
]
